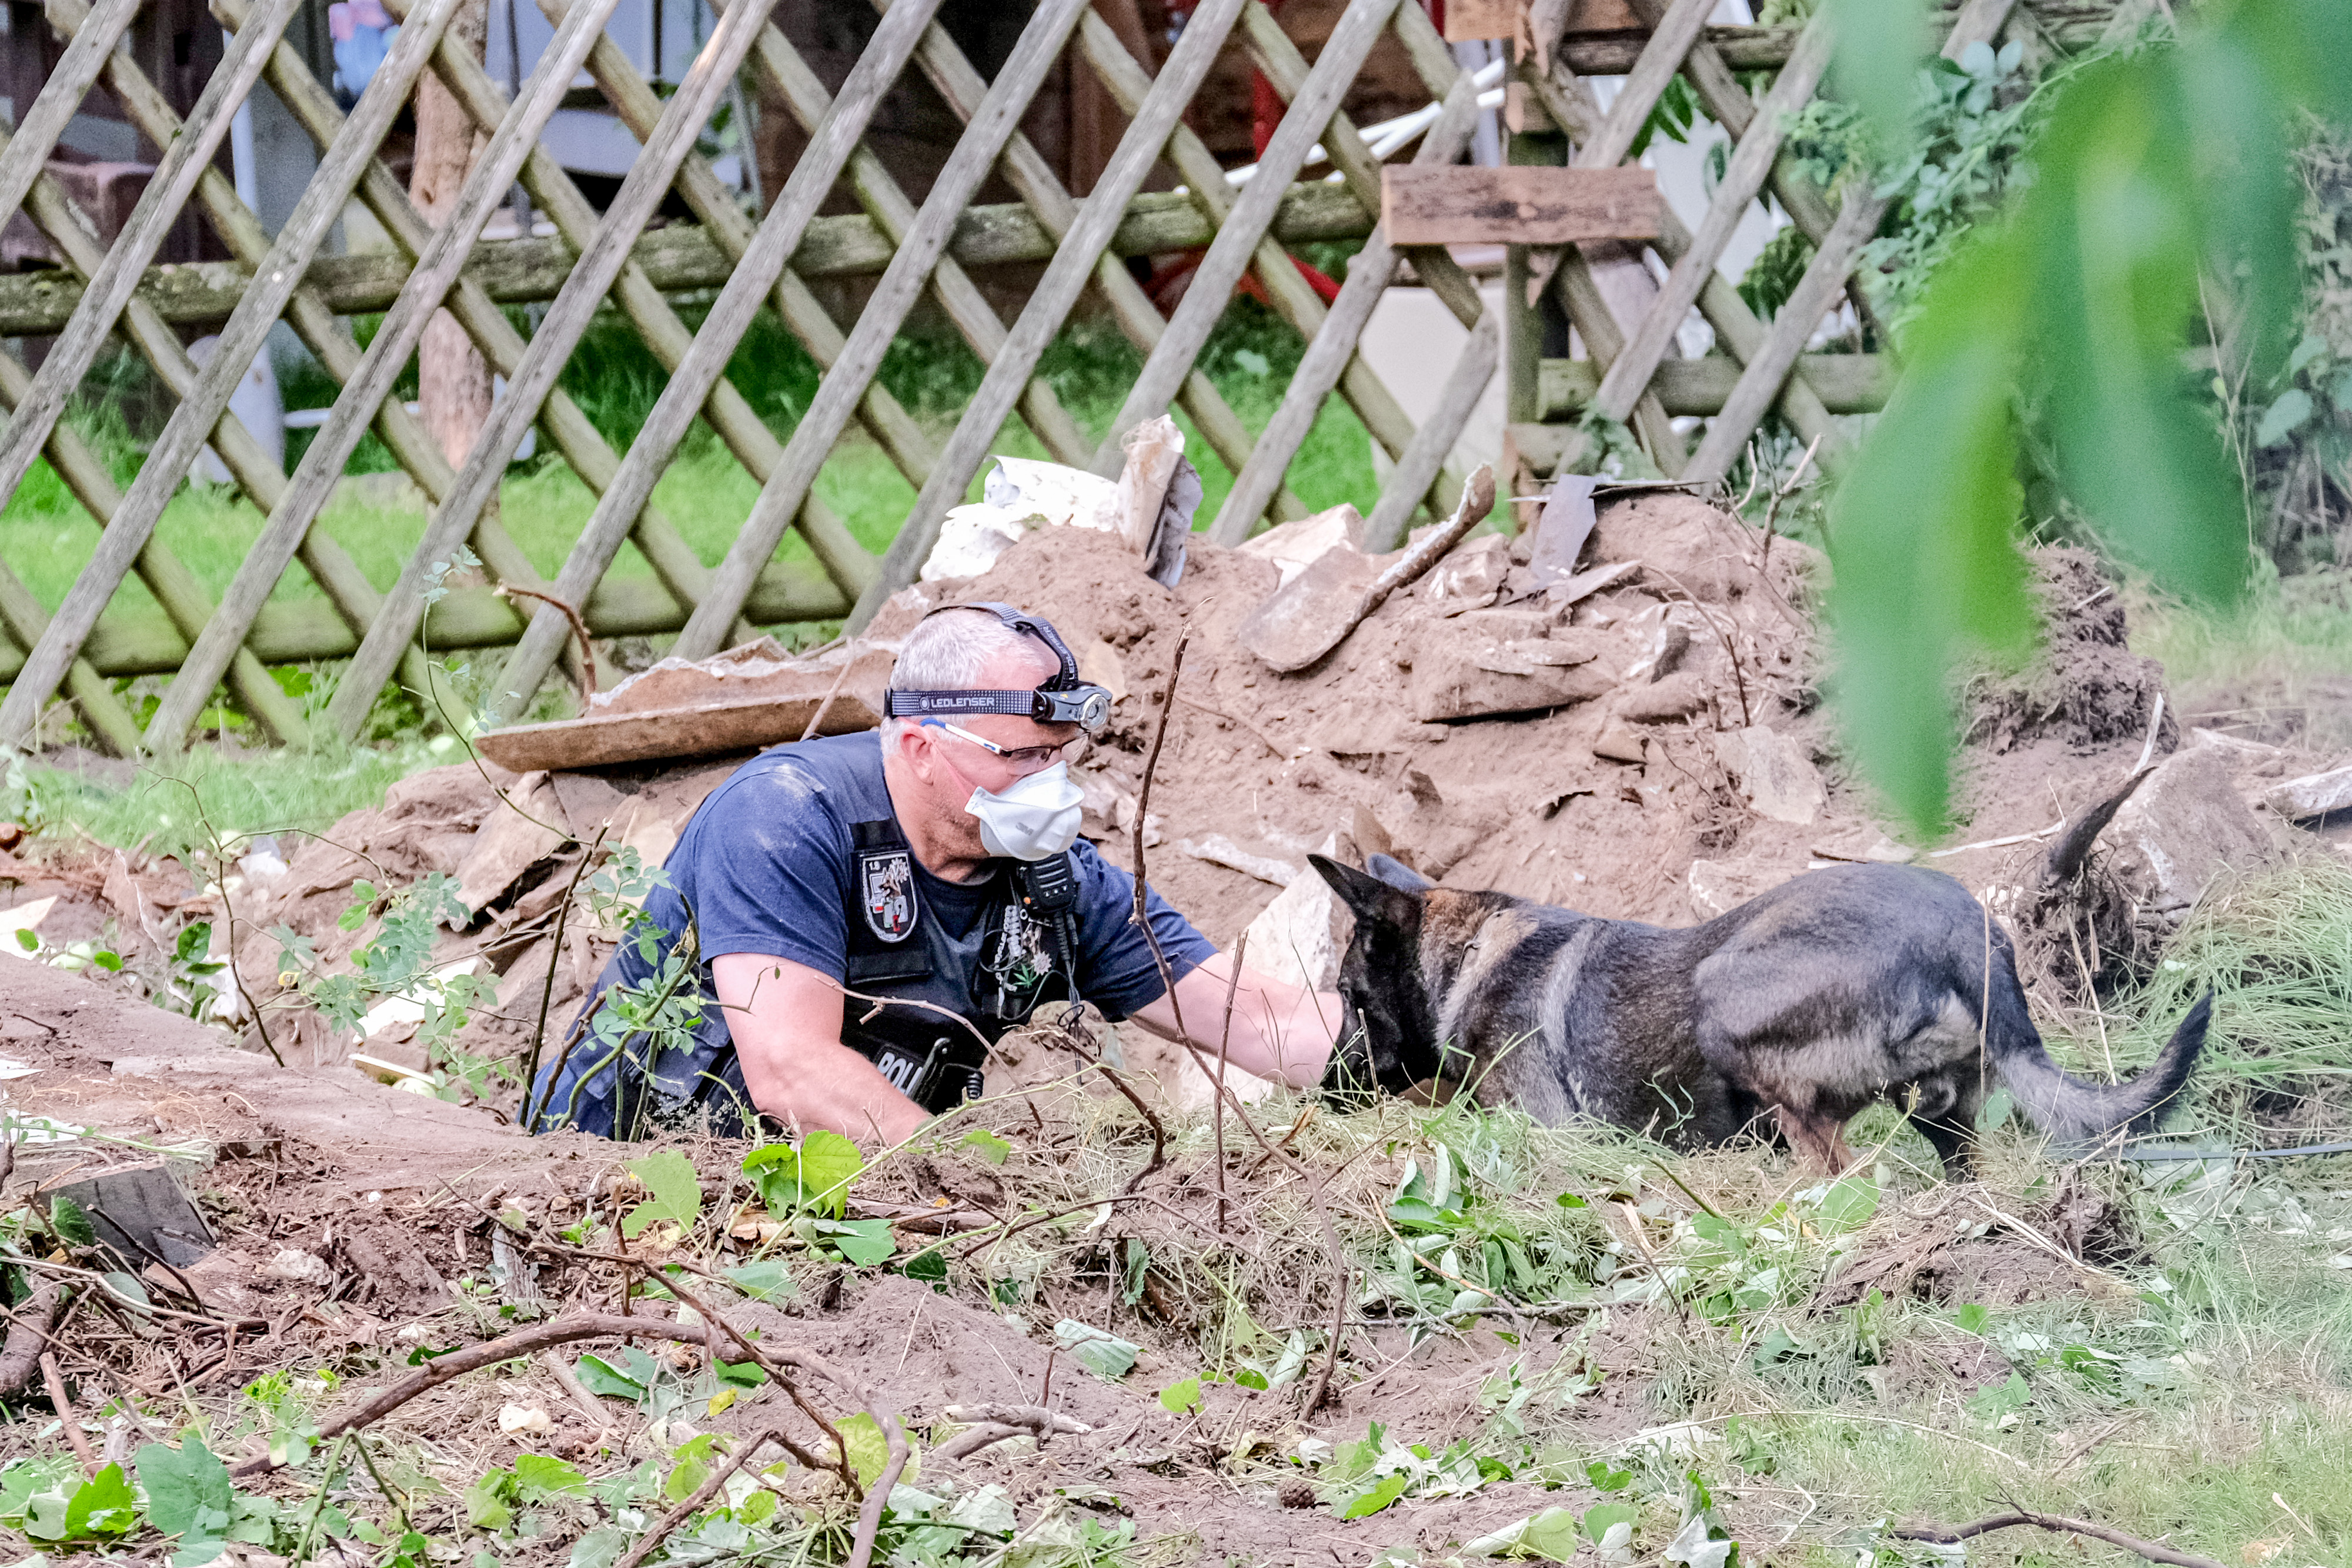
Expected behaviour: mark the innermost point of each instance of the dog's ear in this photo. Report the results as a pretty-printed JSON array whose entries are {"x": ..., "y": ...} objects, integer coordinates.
[
  {"x": 1398, "y": 874},
  {"x": 1367, "y": 896}
]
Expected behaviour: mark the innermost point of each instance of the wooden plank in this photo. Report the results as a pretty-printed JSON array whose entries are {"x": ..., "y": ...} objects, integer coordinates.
[
  {"x": 1424, "y": 205},
  {"x": 705, "y": 729},
  {"x": 1847, "y": 383},
  {"x": 24, "y": 619},
  {"x": 304, "y": 631},
  {"x": 1041, "y": 44},
  {"x": 437, "y": 265},
  {"x": 1212, "y": 286},
  {"x": 1148, "y": 130},
  {"x": 1369, "y": 271}
]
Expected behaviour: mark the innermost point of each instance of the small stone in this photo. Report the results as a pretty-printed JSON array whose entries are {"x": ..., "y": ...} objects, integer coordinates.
[
  {"x": 1774, "y": 773},
  {"x": 302, "y": 1268},
  {"x": 1618, "y": 742},
  {"x": 2313, "y": 795}
]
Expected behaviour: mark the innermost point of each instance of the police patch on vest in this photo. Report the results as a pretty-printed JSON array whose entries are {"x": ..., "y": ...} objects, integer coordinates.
[{"x": 885, "y": 888}]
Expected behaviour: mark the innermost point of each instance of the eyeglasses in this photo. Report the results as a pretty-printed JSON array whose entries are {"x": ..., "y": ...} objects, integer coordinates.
[{"x": 1026, "y": 758}]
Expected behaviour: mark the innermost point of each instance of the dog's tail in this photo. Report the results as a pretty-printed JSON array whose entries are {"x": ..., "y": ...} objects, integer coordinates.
[{"x": 2075, "y": 1113}]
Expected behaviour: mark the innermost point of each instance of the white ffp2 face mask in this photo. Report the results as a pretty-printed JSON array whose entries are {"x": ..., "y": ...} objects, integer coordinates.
[{"x": 1033, "y": 818}]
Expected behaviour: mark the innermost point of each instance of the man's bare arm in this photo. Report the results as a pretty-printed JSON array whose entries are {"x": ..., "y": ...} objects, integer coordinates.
[
  {"x": 786, "y": 1020},
  {"x": 1279, "y": 1031}
]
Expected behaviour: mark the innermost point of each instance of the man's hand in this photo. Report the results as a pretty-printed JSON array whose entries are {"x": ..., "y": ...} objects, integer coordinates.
[
  {"x": 786, "y": 1020},
  {"x": 1280, "y": 1032}
]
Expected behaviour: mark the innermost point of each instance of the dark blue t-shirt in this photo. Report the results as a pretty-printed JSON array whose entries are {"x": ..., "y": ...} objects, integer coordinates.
[{"x": 767, "y": 862}]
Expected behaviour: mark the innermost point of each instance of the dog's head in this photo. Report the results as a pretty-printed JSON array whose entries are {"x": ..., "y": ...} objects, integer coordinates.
[{"x": 1388, "y": 1034}]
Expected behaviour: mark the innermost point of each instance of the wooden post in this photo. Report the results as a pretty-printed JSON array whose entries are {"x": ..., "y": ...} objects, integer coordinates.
[{"x": 452, "y": 378}]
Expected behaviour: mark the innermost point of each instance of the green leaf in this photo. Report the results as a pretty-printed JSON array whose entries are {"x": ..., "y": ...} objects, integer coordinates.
[
  {"x": 1250, "y": 1377},
  {"x": 1600, "y": 1516},
  {"x": 602, "y": 1377},
  {"x": 1972, "y": 1317},
  {"x": 1181, "y": 1398},
  {"x": 2289, "y": 413},
  {"x": 101, "y": 1507},
  {"x": 485, "y": 1501},
  {"x": 1384, "y": 1493},
  {"x": 1850, "y": 1201},
  {"x": 71, "y": 1224},
  {"x": 1098, "y": 1351},
  {"x": 987, "y": 1145},
  {"x": 188, "y": 1489},
  {"x": 929, "y": 1265},
  {"x": 829, "y": 1163},
  {"x": 863, "y": 1242},
  {"x": 867, "y": 1450},
  {"x": 1551, "y": 1535},
  {"x": 1880, "y": 47},
  {"x": 763, "y": 1280},
  {"x": 674, "y": 1195},
  {"x": 540, "y": 1477},
  {"x": 1996, "y": 1110}
]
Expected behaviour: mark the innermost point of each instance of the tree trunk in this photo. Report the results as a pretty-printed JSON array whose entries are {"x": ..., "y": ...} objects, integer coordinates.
[{"x": 454, "y": 381}]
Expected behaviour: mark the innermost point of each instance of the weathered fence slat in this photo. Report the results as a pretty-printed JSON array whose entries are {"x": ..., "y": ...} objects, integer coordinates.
[
  {"x": 185, "y": 157},
  {"x": 757, "y": 271},
  {"x": 45, "y": 119},
  {"x": 485, "y": 187},
  {"x": 203, "y": 404},
  {"x": 1238, "y": 237},
  {"x": 1148, "y": 129},
  {"x": 1369, "y": 273},
  {"x": 1054, "y": 210},
  {"x": 1631, "y": 371},
  {"x": 974, "y": 156}
]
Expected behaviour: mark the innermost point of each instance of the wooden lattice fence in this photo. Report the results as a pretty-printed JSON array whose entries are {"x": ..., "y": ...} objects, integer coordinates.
[{"x": 116, "y": 293}]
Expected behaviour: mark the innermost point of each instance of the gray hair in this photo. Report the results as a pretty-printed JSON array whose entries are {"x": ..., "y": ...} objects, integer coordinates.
[{"x": 947, "y": 652}]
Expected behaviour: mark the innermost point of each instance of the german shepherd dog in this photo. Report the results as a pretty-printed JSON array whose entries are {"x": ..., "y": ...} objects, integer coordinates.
[{"x": 1837, "y": 989}]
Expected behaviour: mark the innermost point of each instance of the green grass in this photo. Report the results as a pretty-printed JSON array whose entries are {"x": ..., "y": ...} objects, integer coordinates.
[{"x": 45, "y": 536}]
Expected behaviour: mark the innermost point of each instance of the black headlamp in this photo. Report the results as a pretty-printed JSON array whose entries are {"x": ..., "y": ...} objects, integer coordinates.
[{"x": 1062, "y": 699}]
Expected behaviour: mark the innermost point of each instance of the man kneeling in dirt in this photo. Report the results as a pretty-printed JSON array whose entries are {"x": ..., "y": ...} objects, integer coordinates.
[{"x": 937, "y": 863}]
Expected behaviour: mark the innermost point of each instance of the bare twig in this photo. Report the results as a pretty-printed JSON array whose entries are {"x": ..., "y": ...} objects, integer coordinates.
[
  {"x": 1772, "y": 512},
  {"x": 1224, "y": 1046},
  {"x": 831, "y": 691},
  {"x": 575, "y": 1390},
  {"x": 554, "y": 958},
  {"x": 1950, "y": 1535},
  {"x": 1142, "y": 813},
  {"x": 76, "y": 1438},
  {"x": 695, "y": 1505},
  {"x": 1279, "y": 755},
  {"x": 579, "y": 629},
  {"x": 1738, "y": 673}
]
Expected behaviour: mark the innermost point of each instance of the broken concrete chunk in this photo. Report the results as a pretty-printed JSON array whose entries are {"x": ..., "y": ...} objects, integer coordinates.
[
  {"x": 1469, "y": 578},
  {"x": 1865, "y": 845},
  {"x": 1291, "y": 546},
  {"x": 1218, "y": 849},
  {"x": 1678, "y": 696},
  {"x": 524, "y": 828},
  {"x": 1461, "y": 673},
  {"x": 2184, "y": 828},
  {"x": 1774, "y": 773},
  {"x": 1618, "y": 742},
  {"x": 1561, "y": 530},
  {"x": 1560, "y": 652},
  {"x": 1298, "y": 938},
  {"x": 2313, "y": 795}
]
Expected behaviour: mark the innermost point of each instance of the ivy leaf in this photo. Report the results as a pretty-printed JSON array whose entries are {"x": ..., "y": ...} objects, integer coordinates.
[
  {"x": 987, "y": 1145},
  {"x": 1849, "y": 1202},
  {"x": 863, "y": 1242},
  {"x": 101, "y": 1506},
  {"x": 188, "y": 1489},
  {"x": 673, "y": 1194},
  {"x": 829, "y": 1163},
  {"x": 863, "y": 1445},
  {"x": 1386, "y": 1491}
]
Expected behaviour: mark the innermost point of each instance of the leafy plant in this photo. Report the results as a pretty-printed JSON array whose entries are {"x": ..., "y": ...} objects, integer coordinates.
[{"x": 2163, "y": 176}]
